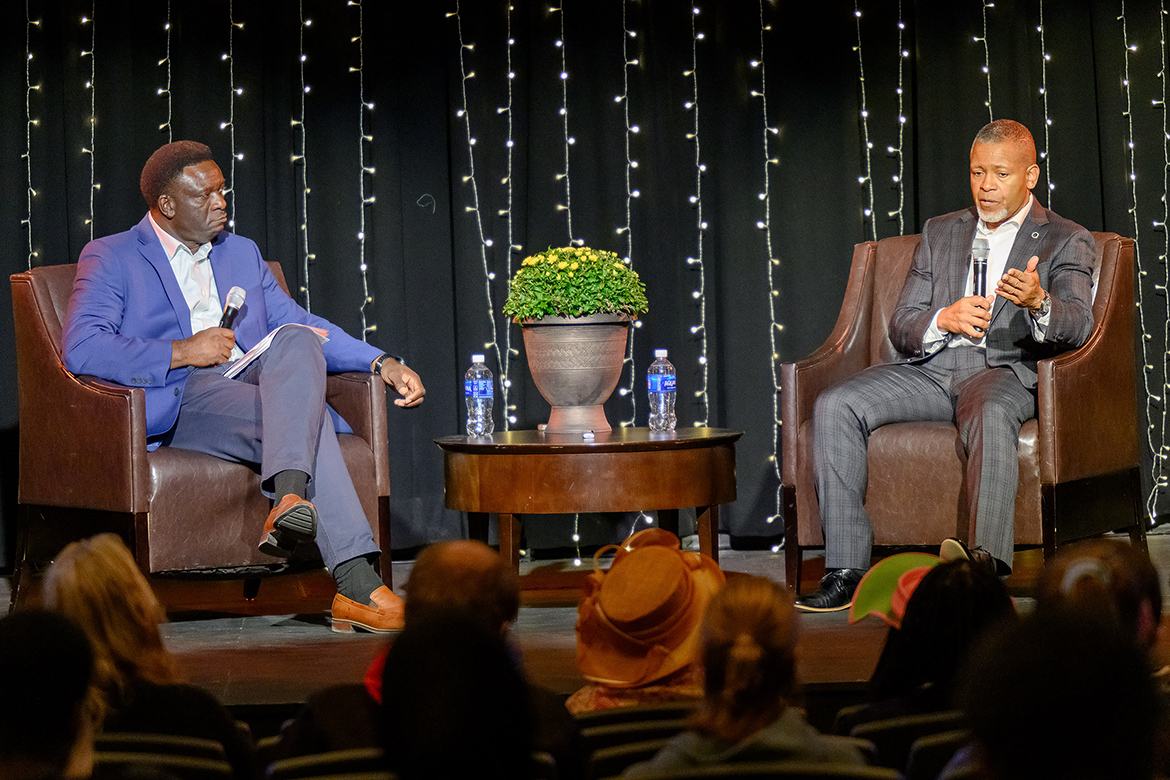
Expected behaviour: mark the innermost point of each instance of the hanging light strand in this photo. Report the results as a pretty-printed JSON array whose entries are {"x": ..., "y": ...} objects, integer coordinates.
[
  {"x": 88, "y": 150},
  {"x": 513, "y": 247},
  {"x": 699, "y": 294},
  {"x": 628, "y": 390},
  {"x": 166, "y": 91},
  {"x": 29, "y": 124},
  {"x": 230, "y": 125},
  {"x": 765, "y": 225},
  {"x": 986, "y": 58},
  {"x": 567, "y": 206},
  {"x": 1045, "y": 58},
  {"x": 365, "y": 170},
  {"x": 896, "y": 151},
  {"x": 866, "y": 179},
  {"x": 1155, "y": 428},
  {"x": 300, "y": 159},
  {"x": 1160, "y": 479},
  {"x": 470, "y": 178}
]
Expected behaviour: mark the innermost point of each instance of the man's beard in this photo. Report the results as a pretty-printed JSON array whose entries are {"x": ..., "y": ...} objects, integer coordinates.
[{"x": 993, "y": 216}]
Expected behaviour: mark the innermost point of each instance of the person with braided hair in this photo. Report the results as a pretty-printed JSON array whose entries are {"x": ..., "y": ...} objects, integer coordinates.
[{"x": 748, "y": 658}]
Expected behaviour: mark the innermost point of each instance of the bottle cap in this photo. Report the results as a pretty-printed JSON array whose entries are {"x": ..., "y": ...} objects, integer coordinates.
[
  {"x": 660, "y": 353},
  {"x": 477, "y": 358}
]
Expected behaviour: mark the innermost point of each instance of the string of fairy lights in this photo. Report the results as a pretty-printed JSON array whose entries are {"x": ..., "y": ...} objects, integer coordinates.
[
  {"x": 469, "y": 178},
  {"x": 700, "y": 293},
  {"x": 92, "y": 122},
  {"x": 1045, "y": 58},
  {"x": 896, "y": 151},
  {"x": 628, "y": 35},
  {"x": 300, "y": 159},
  {"x": 1156, "y": 421},
  {"x": 229, "y": 57},
  {"x": 165, "y": 91},
  {"x": 567, "y": 206},
  {"x": 29, "y": 124},
  {"x": 509, "y": 408},
  {"x": 365, "y": 170},
  {"x": 765, "y": 225},
  {"x": 866, "y": 179},
  {"x": 986, "y": 58},
  {"x": 1159, "y": 461}
]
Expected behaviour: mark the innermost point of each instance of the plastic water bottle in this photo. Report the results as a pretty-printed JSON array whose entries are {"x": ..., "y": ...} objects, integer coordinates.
[
  {"x": 477, "y": 387},
  {"x": 660, "y": 380}
]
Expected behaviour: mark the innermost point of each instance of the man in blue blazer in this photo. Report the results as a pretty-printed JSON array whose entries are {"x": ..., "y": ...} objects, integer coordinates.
[
  {"x": 967, "y": 358},
  {"x": 146, "y": 309}
]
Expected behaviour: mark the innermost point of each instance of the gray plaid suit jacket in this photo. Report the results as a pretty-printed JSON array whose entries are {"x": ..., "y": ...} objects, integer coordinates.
[{"x": 938, "y": 273}]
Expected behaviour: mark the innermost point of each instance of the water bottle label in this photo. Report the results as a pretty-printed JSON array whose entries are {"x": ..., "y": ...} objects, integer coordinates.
[
  {"x": 660, "y": 383},
  {"x": 478, "y": 388}
]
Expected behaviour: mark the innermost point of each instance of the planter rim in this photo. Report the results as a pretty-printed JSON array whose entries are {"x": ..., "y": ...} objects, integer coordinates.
[{"x": 604, "y": 318}]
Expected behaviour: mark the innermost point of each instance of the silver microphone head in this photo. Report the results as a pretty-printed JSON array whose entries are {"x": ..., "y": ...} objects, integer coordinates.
[
  {"x": 235, "y": 298},
  {"x": 980, "y": 249}
]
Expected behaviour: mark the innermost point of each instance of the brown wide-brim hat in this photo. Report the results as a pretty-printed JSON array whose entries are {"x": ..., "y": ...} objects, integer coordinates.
[{"x": 639, "y": 621}]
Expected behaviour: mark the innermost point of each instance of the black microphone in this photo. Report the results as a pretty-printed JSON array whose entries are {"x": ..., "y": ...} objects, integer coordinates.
[
  {"x": 235, "y": 300},
  {"x": 979, "y": 252}
]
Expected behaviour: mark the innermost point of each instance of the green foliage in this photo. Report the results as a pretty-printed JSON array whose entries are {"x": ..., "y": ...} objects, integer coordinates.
[{"x": 574, "y": 282}]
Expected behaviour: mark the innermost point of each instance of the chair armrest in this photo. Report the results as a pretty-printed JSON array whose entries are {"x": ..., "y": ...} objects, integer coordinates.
[
  {"x": 360, "y": 399},
  {"x": 844, "y": 353},
  {"x": 1087, "y": 398},
  {"x": 83, "y": 444}
]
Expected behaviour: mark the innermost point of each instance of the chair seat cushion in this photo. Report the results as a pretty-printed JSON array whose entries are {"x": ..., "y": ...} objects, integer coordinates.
[{"x": 917, "y": 491}]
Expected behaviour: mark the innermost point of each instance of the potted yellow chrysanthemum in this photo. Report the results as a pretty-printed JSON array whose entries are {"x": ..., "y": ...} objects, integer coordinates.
[{"x": 575, "y": 305}]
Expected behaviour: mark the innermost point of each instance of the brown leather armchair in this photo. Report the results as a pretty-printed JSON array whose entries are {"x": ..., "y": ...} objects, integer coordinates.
[
  {"x": 1079, "y": 458},
  {"x": 84, "y": 466}
]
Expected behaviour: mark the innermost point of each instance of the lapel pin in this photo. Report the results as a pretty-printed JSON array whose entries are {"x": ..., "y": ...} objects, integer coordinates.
[{"x": 1036, "y": 234}]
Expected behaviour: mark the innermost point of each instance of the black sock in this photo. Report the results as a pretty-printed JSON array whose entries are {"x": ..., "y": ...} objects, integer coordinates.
[
  {"x": 289, "y": 481},
  {"x": 356, "y": 579}
]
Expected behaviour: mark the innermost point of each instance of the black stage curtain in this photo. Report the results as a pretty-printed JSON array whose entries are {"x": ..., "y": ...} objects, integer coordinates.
[{"x": 96, "y": 102}]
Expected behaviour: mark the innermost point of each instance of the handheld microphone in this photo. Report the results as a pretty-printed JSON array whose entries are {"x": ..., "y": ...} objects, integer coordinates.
[
  {"x": 979, "y": 252},
  {"x": 235, "y": 300}
]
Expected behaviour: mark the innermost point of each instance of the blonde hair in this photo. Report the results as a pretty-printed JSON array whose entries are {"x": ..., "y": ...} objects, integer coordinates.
[
  {"x": 97, "y": 584},
  {"x": 749, "y": 658}
]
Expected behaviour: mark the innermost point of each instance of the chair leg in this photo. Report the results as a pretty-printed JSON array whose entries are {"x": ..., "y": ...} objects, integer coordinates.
[
  {"x": 20, "y": 576},
  {"x": 793, "y": 555},
  {"x": 385, "y": 559},
  {"x": 1137, "y": 531},
  {"x": 251, "y": 588}
]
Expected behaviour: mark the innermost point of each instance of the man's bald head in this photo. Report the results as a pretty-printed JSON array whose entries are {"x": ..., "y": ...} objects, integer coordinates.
[{"x": 467, "y": 577}]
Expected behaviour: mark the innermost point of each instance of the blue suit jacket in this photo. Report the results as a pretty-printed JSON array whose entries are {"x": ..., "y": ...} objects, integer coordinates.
[{"x": 127, "y": 308}]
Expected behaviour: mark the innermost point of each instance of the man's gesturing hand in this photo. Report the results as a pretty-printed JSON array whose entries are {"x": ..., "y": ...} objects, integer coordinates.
[
  {"x": 1022, "y": 287},
  {"x": 206, "y": 348},
  {"x": 405, "y": 381},
  {"x": 968, "y": 317}
]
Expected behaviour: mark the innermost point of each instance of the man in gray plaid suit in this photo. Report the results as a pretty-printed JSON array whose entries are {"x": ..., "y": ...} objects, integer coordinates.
[{"x": 967, "y": 358}]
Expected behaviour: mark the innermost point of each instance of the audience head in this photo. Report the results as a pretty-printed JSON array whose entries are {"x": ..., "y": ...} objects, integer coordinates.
[
  {"x": 459, "y": 704},
  {"x": 1061, "y": 695},
  {"x": 954, "y": 604},
  {"x": 97, "y": 584},
  {"x": 748, "y": 656},
  {"x": 45, "y": 670},
  {"x": 166, "y": 164},
  {"x": 467, "y": 577},
  {"x": 1108, "y": 575},
  {"x": 638, "y": 622}
]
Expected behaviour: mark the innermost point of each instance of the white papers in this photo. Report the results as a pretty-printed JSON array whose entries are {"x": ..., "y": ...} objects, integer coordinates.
[{"x": 260, "y": 348}]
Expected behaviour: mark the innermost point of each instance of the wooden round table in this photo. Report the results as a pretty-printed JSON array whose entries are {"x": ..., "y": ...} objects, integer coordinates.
[{"x": 624, "y": 470}]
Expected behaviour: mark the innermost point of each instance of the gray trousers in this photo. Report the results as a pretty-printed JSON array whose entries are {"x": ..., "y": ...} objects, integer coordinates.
[
  {"x": 273, "y": 417},
  {"x": 955, "y": 385}
]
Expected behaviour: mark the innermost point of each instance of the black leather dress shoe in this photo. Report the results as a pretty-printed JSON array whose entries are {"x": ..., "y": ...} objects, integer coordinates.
[
  {"x": 835, "y": 592},
  {"x": 953, "y": 549}
]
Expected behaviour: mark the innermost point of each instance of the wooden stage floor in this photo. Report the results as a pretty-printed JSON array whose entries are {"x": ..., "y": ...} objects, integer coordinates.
[{"x": 270, "y": 654}]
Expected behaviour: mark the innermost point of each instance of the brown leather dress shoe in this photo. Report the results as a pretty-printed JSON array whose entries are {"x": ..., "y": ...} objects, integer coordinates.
[
  {"x": 382, "y": 615},
  {"x": 292, "y": 520}
]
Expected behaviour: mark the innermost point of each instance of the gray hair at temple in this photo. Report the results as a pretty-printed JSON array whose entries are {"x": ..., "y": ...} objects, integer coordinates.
[{"x": 1007, "y": 131}]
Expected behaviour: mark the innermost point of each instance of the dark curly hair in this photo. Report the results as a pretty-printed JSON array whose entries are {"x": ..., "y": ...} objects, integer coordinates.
[{"x": 165, "y": 165}]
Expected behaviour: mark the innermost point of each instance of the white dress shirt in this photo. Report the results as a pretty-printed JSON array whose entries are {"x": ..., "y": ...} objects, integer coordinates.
[{"x": 196, "y": 280}]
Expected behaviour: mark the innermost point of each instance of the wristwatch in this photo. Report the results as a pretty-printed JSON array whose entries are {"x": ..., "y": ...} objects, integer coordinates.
[
  {"x": 1045, "y": 307},
  {"x": 377, "y": 368}
]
